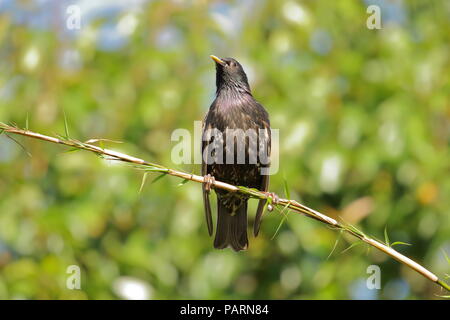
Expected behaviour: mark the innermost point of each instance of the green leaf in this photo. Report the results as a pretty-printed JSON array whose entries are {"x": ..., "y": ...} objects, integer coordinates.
[
  {"x": 354, "y": 230},
  {"x": 282, "y": 220},
  {"x": 66, "y": 127},
  {"x": 354, "y": 244},
  {"x": 162, "y": 175},
  {"x": 144, "y": 178},
  {"x": 100, "y": 140},
  {"x": 286, "y": 189},
  {"x": 335, "y": 244},
  {"x": 182, "y": 183},
  {"x": 386, "y": 238},
  {"x": 71, "y": 150},
  {"x": 155, "y": 169},
  {"x": 400, "y": 243}
]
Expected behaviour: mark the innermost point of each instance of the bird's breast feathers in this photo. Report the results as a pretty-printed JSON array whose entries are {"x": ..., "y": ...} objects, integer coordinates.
[{"x": 240, "y": 112}]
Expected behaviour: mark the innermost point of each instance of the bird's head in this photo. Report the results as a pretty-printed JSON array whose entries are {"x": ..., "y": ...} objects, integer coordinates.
[{"x": 230, "y": 74}]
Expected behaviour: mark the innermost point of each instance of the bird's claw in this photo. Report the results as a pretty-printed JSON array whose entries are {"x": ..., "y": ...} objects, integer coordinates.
[
  {"x": 208, "y": 182},
  {"x": 275, "y": 199}
]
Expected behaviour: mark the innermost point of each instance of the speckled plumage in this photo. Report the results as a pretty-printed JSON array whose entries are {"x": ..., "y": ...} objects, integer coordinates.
[{"x": 235, "y": 108}]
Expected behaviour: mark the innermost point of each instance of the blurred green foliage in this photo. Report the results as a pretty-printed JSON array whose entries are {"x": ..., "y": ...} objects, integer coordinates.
[{"x": 364, "y": 134}]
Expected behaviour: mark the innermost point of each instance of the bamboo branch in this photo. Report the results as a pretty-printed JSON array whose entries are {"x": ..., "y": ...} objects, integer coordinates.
[{"x": 253, "y": 193}]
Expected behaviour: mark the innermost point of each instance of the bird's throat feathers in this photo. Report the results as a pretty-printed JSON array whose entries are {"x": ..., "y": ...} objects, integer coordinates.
[
  {"x": 233, "y": 99},
  {"x": 231, "y": 84}
]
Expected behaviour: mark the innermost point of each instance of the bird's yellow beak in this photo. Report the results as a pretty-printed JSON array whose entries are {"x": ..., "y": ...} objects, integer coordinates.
[{"x": 217, "y": 60}]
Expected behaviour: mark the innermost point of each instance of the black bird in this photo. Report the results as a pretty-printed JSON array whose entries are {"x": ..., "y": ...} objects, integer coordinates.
[{"x": 234, "y": 108}]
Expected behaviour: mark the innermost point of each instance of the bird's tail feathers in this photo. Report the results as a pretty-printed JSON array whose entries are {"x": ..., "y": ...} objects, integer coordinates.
[{"x": 231, "y": 228}]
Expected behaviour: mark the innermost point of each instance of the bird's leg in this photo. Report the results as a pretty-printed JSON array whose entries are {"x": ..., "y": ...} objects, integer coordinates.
[
  {"x": 208, "y": 182},
  {"x": 274, "y": 200}
]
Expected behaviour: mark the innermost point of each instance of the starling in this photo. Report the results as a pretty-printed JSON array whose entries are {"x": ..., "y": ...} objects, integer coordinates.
[{"x": 235, "y": 111}]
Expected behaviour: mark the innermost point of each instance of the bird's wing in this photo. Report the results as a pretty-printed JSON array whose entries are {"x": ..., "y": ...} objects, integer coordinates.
[
  {"x": 264, "y": 180},
  {"x": 206, "y": 202}
]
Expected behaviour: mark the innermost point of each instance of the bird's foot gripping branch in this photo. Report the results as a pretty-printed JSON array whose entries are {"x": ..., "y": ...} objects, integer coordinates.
[{"x": 252, "y": 193}]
